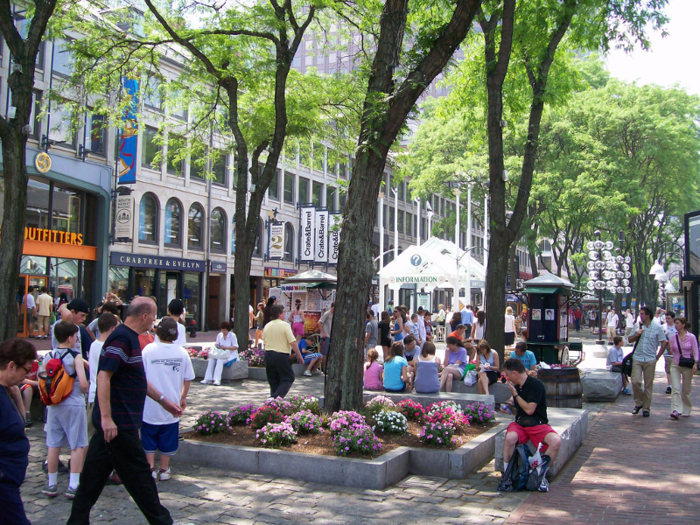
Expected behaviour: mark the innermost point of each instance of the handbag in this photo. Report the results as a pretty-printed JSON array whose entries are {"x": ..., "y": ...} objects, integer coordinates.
[
  {"x": 219, "y": 353},
  {"x": 470, "y": 377},
  {"x": 684, "y": 362}
]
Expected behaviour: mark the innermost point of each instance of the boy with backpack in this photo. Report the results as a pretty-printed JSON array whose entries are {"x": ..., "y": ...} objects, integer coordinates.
[
  {"x": 169, "y": 369},
  {"x": 66, "y": 424}
]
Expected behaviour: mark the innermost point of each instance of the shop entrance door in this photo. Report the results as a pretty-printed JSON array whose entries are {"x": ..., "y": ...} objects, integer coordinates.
[{"x": 26, "y": 323}]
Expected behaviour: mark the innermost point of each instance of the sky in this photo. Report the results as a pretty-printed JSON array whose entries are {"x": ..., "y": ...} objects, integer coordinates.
[{"x": 671, "y": 60}]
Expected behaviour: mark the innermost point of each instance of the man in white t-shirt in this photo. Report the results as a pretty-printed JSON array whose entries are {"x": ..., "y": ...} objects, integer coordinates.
[
  {"x": 30, "y": 305},
  {"x": 175, "y": 309},
  {"x": 169, "y": 369},
  {"x": 106, "y": 323},
  {"x": 629, "y": 325},
  {"x": 612, "y": 322}
]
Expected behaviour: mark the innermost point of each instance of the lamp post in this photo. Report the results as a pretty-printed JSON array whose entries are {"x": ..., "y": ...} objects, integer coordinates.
[
  {"x": 456, "y": 187},
  {"x": 430, "y": 223},
  {"x": 469, "y": 243},
  {"x": 417, "y": 201}
]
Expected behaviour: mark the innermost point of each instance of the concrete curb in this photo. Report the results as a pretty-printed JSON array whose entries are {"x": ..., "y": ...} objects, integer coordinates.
[{"x": 379, "y": 473}]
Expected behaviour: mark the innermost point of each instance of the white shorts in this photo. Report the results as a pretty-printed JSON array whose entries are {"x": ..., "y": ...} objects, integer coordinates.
[{"x": 66, "y": 426}]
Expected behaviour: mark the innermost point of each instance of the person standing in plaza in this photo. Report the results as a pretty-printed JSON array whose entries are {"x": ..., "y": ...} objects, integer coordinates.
[
  {"x": 385, "y": 334},
  {"x": 578, "y": 315},
  {"x": 629, "y": 325},
  {"x": 468, "y": 318},
  {"x": 30, "y": 307},
  {"x": 371, "y": 332},
  {"x": 646, "y": 354},
  {"x": 684, "y": 346},
  {"x": 44, "y": 304},
  {"x": 325, "y": 324},
  {"x": 509, "y": 335},
  {"x": 121, "y": 393},
  {"x": 612, "y": 323},
  {"x": 591, "y": 320},
  {"x": 670, "y": 330},
  {"x": 279, "y": 343}
]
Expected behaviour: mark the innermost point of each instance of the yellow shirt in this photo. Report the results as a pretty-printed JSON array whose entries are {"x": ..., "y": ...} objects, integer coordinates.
[
  {"x": 277, "y": 336},
  {"x": 44, "y": 304}
]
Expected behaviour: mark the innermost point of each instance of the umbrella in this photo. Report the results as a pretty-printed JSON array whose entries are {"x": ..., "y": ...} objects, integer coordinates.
[{"x": 312, "y": 276}]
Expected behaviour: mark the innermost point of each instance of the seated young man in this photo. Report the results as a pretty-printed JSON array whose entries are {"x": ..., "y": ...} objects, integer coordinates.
[
  {"x": 311, "y": 358},
  {"x": 614, "y": 364},
  {"x": 531, "y": 423},
  {"x": 526, "y": 356}
]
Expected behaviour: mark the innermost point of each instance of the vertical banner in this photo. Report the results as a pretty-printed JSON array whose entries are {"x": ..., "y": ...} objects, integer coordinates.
[
  {"x": 334, "y": 238},
  {"x": 127, "y": 145},
  {"x": 276, "y": 240},
  {"x": 321, "y": 236},
  {"x": 124, "y": 227},
  {"x": 306, "y": 226}
]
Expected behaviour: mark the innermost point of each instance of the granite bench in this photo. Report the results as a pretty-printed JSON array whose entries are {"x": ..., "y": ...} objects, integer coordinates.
[
  {"x": 601, "y": 385},
  {"x": 237, "y": 370},
  {"x": 498, "y": 390},
  {"x": 572, "y": 426}
]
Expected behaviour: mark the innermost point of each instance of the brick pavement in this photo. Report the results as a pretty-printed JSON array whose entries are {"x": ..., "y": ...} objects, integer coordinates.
[{"x": 630, "y": 469}]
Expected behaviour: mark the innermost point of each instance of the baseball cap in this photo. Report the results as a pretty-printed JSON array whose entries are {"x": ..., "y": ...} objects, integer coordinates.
[{"x": 79, "y": 305}]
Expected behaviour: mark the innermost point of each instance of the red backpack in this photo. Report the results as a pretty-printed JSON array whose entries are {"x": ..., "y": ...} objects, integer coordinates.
[{"x": 55, "y": 383}]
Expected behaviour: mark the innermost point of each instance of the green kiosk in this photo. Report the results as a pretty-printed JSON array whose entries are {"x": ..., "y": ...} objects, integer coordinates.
[{"x": 549, "y": 299}]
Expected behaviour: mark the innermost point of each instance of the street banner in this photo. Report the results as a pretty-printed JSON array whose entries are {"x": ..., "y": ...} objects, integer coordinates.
[
  {"x": 306, "y": 246},
  {"x": 276, "y": 240},
  {"x": 321, "y": 237},
  {"x": 124, "y": 225},
  {"x": 129, "y": 136},
  {"x": 334, "y": 238}
]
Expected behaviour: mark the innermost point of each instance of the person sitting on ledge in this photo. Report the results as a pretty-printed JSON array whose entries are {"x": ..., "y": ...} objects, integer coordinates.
[
  {"x": 526, "y": 356},
  {"x": 396, "y": 377},
  {"x": 311, "y": 357},
  {"x": 531, "y": 423}
]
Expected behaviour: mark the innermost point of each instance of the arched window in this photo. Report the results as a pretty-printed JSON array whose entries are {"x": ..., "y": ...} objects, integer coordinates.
[
  {"x": 217, "y": 231},
  {"x": 173, "y": 223},
  {"x": 289, "y": 242},
  {"x": 233, "y": 236},
  {"x": 194, "y": 227},
  {"x": 148, "y": 219},
  {"x": 257, "y": 252}
]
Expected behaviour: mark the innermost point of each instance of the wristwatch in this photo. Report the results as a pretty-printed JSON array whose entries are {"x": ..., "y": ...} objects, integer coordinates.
[{"x": 160, "y": 399}]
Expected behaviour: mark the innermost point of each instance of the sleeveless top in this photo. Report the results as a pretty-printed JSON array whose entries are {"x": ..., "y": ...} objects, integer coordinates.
[
  {"x": 427, "y": 380},
  {"x": 398, "y": 336},
  {"x": 484, "y": 361},
  {"x": 479, "y": 332},
  {"x": 297, "y": 318}
]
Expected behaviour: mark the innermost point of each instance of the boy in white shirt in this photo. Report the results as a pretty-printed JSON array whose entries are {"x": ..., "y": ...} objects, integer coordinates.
[
  {"x": 106, "y": 323},
  {"x": 169, "y": 369},
  {"x": 615, "y": 357},
  {"x": 175, "y": 310}
]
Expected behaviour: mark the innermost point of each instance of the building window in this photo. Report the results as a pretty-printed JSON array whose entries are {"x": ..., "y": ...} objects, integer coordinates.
[
  {"x": 288, "y": 188},
  {"x": 318, "y": 157},
  {"x": 22, "y": 24},
  {"x": 257, "y": 251},
  {"x": 198, "y": 160},
  {"x": 217, "y": 232},
  {"x": 273, "y": 192},
  {"x": 233, "y": 235},
  {"x": 402, "y": 192},
  {"x": 342, "y": 167},
  {"x": 331, "y": 161},
  {"x": 194, "y": 227},
  {"x": 148, "y": 219},
  {"x": 152, "y": 98},
  {"x": 400, "y": 221},
  {"x": 60, "y": 129},
  {"x": 289, "y": 242},
  {"x": 62, "y": 60},
  {"x": 303, "y": 190},
  {"x": 173, "y": 223},
  {"x": 316, "y": 196},
  {"x": 390, "y": 224},
  {"x": 305, "y": 154},
  {"x": 149, "y": 148},
  {"x": 330, "y": 197},
  {"x": 409, "y": 222},
  {"x": 219, "y": 168},
  {"x": 96, "y": 129},
  {"x": 175, "y": 164},
  {"x": 177, "y": 108}
]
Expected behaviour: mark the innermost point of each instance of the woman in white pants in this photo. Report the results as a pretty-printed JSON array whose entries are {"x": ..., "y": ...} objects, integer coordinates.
[
  {"x": 683, "y": 344},
  {"x": 225, "y": 350}
]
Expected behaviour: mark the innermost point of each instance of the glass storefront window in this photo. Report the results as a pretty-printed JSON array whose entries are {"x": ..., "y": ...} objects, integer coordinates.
[
  {"x": 63, "y": 277},
  {"x": 190, "y": 295},
  {"x": 37, "y": 204},
  {"x": 119, "y": 281},
  {"x": 33, "y": 265},
  {"x": 144, "y": 282},
  {"x": 66, "y": 210}
]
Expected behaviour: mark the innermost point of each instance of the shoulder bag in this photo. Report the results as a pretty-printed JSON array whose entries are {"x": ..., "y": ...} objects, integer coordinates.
[{"x": 685, "y": 362}]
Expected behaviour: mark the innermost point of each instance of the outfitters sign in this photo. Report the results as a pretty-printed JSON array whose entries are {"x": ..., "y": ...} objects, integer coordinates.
[
  {"x": 150, "y": 261},
  {"x": 42, "y": 235}
]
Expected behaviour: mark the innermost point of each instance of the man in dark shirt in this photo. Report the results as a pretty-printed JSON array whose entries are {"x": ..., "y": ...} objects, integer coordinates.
[
  {"x": 121, "y": 392},
  {"x": 531, "y": 423}
]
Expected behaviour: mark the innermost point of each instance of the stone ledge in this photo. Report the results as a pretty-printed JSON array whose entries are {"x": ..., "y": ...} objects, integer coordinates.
[
  {"x": 238, "y": 370},
  {"x": 572, "y": 426},
  {"x": 426, "y": 399},
  {"x": 601, "y": 385},
  {"x": 258, "y": 373},
  {"x": 379, "y": 473},
  {"x": 498, "y": 390}
]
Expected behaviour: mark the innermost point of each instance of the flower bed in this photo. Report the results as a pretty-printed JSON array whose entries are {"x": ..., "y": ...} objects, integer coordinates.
[{"x": 254, "y": 356}]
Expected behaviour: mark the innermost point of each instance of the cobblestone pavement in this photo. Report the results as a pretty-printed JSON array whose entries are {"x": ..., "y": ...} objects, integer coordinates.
[
  {"x": 629, "y": 469},
  {"x": 205, "y": 495}
]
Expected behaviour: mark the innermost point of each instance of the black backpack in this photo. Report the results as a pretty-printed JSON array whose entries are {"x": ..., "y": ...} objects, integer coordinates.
[
  {"x": 516, "y": 475},
  {"x": 537, "y": 474}
]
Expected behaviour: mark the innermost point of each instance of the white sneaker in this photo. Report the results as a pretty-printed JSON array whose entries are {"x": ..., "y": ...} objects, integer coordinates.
[
  {"x": 217, "y": 383},
  {"x": 307, "y": 373},
  {"x": 205, "y": 382},
  {"x": 154, "y": 475},
  {"x": 164, "y": 475}
]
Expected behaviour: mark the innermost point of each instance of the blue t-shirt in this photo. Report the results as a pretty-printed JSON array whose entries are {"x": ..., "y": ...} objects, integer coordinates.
[
  {"x": 14, "y": 445},
  {"x": 392, "y": 373},
  {"x": 121, "y": 354},
  {"x": 460, "y": 355},
  {"x": 529, "y": 359}
]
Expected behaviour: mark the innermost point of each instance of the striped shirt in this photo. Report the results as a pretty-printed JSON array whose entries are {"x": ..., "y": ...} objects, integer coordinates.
[{"x": 121, "y": 354}]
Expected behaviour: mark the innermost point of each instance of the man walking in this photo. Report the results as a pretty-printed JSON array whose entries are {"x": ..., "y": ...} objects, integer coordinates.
[
  {"x": 468, "y": 318},
  {"x": 44, "y": 304},
  {"x": 629, "y": 325},
  {"x": 644, "y": 361},
  {"x": 279, "y": 343},
  {"x": 121, "y": 393},
  {"x": 578, "y": 314}
]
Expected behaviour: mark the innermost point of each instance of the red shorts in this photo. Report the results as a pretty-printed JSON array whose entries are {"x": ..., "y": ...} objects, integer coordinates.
[
  {"x": 535, "y": 434},
  {"x": 298, "y": 329}
]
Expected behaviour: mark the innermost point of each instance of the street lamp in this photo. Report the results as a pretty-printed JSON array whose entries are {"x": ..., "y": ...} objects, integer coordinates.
[
  {"x": 417, "y": 201},
  {"x": 430, "y": 219}
]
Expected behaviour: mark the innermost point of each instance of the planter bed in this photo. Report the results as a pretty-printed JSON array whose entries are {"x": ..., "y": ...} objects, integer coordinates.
[{"x": 313, "y": 457}]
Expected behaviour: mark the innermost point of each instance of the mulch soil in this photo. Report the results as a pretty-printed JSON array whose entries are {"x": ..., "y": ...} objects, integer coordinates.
[{"x": 322, "y": 444}]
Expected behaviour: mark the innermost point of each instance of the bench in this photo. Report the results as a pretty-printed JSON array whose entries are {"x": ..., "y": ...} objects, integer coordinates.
[
  {"x": 498, "y": 390},
  {"x": 601, "y": 385},
  {"x": 572, "y": 426},
  {"x": 427, "y": 399},
  {"x": 237, "y": 370},
  {"x": 257, "y": 373}
]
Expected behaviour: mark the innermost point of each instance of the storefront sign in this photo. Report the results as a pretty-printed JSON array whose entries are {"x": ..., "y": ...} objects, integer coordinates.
[
  {"x": 218, "y": 267},
  {"x": 42, "y": 162},
  {"x": 289, "y": 288},
  {"x": 477, "y": 283},
  {"x": 276, "y": 240},
  {"x": 417, "y": 279},
  {"x": 129, "y": 136},
  {"x": 151, "y": 261},
  {"x": 279, "y": 273},
  {"x": 306, "y": 249},
  {"x": 321, "y": 236},
  {"x": 124, "y": 225},
  {"x": 334, "y": 238},
  {"x": 53, "y": 236}
]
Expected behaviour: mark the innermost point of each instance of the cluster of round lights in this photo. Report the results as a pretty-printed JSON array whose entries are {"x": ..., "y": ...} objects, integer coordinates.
[{"x": 607, "y": 271}]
